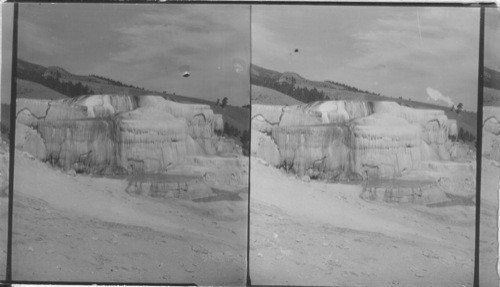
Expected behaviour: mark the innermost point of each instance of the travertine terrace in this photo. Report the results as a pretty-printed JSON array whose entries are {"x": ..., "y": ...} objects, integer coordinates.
[
  {"x": 120, "y": 135},
  {"x": 362, "y": 141}
]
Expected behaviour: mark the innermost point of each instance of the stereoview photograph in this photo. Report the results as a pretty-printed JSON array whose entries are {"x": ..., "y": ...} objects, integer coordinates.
[
  {"x": 132, "y": 143},
  {"x": 363, "y": 145}
]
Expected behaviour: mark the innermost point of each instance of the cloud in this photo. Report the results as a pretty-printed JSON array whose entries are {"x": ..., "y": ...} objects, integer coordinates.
[
  {"x": 421, "y": 47},
  {"x": 34, "y": 38},
  {"x": 437, "y": 96},
  {"x": 417, "y": 37},
  {"x": 492, "y": 38},
  {"x": 185, "y": 34},
  {"x": 266, "y": 44},
  {"x": 395, "y": 51},
  {"x": 317, "y": 32},
  {"x": 145, "y": 45},
  {"x": 154, "y": 46}
]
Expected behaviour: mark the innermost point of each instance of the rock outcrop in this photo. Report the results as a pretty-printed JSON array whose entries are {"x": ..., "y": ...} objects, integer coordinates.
[
  {"x": 29, "y": 140},
  {"x": 436, "y": 127},
  {"x": 265, "y": 148},
  {"x": 83, "y": 145},
  {"x": 491, "y": 133},
  {"x": 119, "y": 134},
  {"x": 342, "y": 139},
  {"x": 99, "y": 106},
  {"x": 150, "y": 140},
  {"x": 30, "y": 111},
  {"x": 313, "y": 150},
  {"x": 384, "y": 146},
  {"x": 264, "y": 117}
]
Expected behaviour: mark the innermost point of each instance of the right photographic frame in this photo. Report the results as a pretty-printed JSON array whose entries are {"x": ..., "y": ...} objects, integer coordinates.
[
  {"x": 490, "y": 164},
  {"x": 363, "y": 145}
]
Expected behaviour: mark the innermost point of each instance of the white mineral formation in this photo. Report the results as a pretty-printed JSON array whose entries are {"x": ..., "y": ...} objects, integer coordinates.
[
  {"x": 200, "y": 118},
  {"x": 420, "y": 116},
  {"x": 491, "y": 122},
  {"x": 28, "y": 139},
  {"x": 338, "y": 111},
  {"x": 83, "y": 145},
  {"x": 151, "y": 140},
  {"x": 384, "y": 145},
  {"x": 491, "y": 133},
  {"x": 264, "y": 117},
  {"x": 104, "y": 105},
  {"x": 354, "y": 139},
  {"x": 265, "y": 148},
  {"x": 106, "y": 133},
  {"x": 30, "y": 111},
  {"x": 322, "y": 148}
]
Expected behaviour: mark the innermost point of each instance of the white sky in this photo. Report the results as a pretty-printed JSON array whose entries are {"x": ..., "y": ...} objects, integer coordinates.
[
  {"x": 395, "y": 51},
  {"x": 144, "y": 45}
]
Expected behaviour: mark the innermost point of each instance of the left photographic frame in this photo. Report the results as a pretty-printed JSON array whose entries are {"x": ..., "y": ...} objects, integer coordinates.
[
  {"x": 6, "y": 19},
  {"x": 131, "y": 160}
]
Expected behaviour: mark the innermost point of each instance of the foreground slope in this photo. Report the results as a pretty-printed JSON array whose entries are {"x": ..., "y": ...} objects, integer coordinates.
[
  {"x": 316, "y": 233},
  {"x": 90, "y": 229}
]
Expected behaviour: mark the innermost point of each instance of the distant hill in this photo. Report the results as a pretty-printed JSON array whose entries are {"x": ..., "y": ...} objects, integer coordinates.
[
  {"x": 491, "y": 92},
  {"x": 72, "y": 85},
  {"x": 53, "y": 78},
  {"x": 32, "y": 90},
  {"x": 289, "y": 83},
  {"x": 304, "y": 90},
  {"x": 491, "y": 78},
  {"x": 266, "y": 96},
  {"x": 491, "y": 97}
]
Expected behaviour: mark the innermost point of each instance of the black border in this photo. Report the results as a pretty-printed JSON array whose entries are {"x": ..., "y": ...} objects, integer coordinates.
[
  {"x": 12, "y": 144},
  {"x": 98, "y": 283},
  {"x": 479, "y": 143},
  {"x": 8, "y": 281},
  {"x": 249, "y": 280},
  {"x": 272, "y": 2}
]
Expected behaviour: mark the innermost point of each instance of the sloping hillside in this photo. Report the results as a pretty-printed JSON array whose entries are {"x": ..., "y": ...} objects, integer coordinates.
[
  {"x": 305, "y": 90},
  {"x": 491, "y": 96},
  {"x": 71, "y": 85},
  {"x": 491, "y": 78},
  {"x": 291, "y": 77},
  {"x": 260, "y": 72},
  {"x": 32, "y": 90},
  {"x": 266, "y": 96}
]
